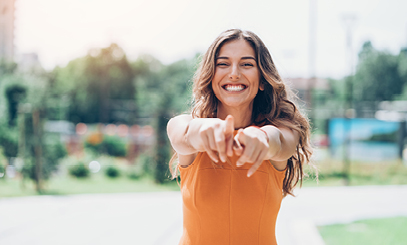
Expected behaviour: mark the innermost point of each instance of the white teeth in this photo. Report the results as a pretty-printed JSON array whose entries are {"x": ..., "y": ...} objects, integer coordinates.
[{"x": 234, "y": 88}]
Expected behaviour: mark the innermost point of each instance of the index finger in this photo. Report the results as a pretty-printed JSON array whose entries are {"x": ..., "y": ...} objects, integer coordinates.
[
  {"x": 220, "y": 141},
  {"x": 254, "y": 168},
  {"x": 229, "y": 129}
]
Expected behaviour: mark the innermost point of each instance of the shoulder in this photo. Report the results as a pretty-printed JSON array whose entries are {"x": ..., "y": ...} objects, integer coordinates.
[
  {"x": 279, "y": 165},
  {"x": 186, "y": 160}
]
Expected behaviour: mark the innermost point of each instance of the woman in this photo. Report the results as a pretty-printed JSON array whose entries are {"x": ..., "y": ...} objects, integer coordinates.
[{"x": 242, "y": 148}]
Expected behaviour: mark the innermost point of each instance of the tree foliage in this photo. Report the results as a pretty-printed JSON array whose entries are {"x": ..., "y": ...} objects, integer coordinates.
[
  {"x": 378, "y": 75},
  {"x": 163, "y": 91},
  {"x": 99, "y": 87}
]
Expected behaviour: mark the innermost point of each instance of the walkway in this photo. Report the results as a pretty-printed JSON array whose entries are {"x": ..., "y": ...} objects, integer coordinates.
[{"x": 156, "y": 218}]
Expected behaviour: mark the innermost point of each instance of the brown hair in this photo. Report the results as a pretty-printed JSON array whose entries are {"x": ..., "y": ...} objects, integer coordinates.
[{"x": 273, "y": 106}]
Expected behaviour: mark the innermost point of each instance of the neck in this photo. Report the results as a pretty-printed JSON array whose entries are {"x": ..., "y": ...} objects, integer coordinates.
[{"x": 242, "y": 116}]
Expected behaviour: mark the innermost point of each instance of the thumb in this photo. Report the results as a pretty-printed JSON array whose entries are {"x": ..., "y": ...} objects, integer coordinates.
[{"x": 237, "y": 144}]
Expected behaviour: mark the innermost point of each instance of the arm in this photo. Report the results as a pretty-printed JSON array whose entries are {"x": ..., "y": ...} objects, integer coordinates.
[
  {"x": 282, "y": 142},
  {"x": 212, "y": 135},
  {"x": 269, "y": 143},
  {"x": 177, "y": 129}
]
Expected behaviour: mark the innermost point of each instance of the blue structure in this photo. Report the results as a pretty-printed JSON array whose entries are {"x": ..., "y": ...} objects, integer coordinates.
[{"x": 361, "y": 133}]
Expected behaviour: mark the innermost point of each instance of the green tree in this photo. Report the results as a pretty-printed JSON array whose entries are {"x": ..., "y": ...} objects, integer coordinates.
[
  {"x": 402, "y": 69},
  {"x": 14, "y": 94},
  {"x": 377, "y": 75},
  {"x": 174, "y": 99},
  {"x": 25, "y": 138},
  {"x": 99, "y": 87},
  {"x": 162, "y": 92}
]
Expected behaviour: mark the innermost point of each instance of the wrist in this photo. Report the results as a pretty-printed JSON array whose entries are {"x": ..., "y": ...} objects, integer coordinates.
[{"x": 267, "y": 136}]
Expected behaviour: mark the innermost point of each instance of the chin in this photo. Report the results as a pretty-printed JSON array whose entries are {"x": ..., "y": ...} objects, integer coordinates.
[{"x": 233, "y": 103}]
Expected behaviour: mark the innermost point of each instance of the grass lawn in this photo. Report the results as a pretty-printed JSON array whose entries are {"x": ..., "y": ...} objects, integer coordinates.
[
  {"x": 361, "y": 173},
  {"x": 388, "y": 231},
  {"x": 330, "y": 174},
  {"x": 97, "y": 183},
  {"x": 62, "y": 183}
]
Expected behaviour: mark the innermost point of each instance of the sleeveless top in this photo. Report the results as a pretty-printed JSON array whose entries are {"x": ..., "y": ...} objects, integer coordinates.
[{"x": 221, "y": 205}]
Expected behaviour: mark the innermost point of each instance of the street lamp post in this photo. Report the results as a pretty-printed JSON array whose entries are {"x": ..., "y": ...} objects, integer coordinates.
[{"x": 349, "y": 21}]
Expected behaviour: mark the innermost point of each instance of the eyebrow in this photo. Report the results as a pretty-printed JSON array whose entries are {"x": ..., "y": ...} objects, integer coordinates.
[{"x": 243, "y": 58}]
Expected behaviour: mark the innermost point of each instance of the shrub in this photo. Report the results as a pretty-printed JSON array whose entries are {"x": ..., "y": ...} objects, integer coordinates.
[
  {"x": 134, "y": 175},
  {"x": 2, "y": 171},
  {"x": 112, "y": 172},
  {"x": 79, "y": 171},
  {"x": 145, "y": 161},
  {"x": 94, "y": 142},
  {"x": 135, "y": 172},
  {"x": 9, "y": 141},
  {"x": 110, "y": 145},
  {"x": 52, "y": 154},
  {"x": 114, "y": 146}
]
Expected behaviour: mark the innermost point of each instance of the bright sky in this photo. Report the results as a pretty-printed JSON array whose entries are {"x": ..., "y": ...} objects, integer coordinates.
[{"x": 62, "y": 30}]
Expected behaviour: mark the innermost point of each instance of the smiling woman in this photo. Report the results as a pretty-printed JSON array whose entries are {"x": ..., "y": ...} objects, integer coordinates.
[{"x": 242, "y": 148}]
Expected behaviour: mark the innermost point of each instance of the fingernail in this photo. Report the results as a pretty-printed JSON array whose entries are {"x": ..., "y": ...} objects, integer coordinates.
[{"x": 249, "y": 174}]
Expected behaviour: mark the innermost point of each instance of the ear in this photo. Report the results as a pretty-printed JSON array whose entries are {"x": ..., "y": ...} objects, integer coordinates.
[{"x": 261, "y": 86}]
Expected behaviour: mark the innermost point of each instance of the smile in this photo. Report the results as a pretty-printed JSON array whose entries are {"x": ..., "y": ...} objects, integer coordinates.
[{"x": 234, "y": 88}]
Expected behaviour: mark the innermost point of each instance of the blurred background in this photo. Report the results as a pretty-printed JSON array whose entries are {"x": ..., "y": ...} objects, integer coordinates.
[{"x": 88, "y": 86}]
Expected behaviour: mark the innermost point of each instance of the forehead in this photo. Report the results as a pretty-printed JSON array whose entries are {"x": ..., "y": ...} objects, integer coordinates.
[{"x": 236, "y": 48}]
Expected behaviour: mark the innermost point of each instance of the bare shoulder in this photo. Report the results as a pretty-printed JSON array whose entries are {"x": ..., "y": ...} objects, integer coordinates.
[
  {"x": 279, "y": 165},
  {"x": 186, "y": 160},
  {"x": 286, "y": 130}
]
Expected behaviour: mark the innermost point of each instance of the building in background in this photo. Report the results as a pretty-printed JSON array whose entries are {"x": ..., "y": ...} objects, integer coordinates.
[
  {"x": 7, "y": 29},
  {"x": 301, "y": 86},
  {"x": 28, "y": 62}
]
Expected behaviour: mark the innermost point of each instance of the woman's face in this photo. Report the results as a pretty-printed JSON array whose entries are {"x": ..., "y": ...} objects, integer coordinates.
[{"x": 236, "y": 79}]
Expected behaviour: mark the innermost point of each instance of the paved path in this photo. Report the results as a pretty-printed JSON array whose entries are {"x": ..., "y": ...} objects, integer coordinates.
[
  {"x": 296, "y": 224},
  {"x": 156, "y": 218}
]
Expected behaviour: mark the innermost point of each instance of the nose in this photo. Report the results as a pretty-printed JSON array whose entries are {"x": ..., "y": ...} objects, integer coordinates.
[{"x": 234, "y": 73}]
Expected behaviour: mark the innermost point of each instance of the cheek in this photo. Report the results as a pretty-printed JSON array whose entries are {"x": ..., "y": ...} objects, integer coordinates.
[
  {"x": 255, "y": 79},
  {"x": 215, "y": 88},
  {"x": 216, "y": 77},
  {"x": 215, "y": 82}
]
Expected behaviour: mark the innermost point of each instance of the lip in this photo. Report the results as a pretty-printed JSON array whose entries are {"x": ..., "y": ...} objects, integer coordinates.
[{"x": 234, "y": 88}]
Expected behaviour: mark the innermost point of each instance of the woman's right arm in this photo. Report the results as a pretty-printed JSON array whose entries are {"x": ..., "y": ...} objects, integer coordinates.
[
  {"x": 177, "y": 129},
  {"x": 211, "y": 135}
]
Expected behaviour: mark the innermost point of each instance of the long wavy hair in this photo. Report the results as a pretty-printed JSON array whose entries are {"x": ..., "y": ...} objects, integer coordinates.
[{"x": 272, "y": 106}]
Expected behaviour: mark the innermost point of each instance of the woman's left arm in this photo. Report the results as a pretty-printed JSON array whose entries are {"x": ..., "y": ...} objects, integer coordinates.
[
  {"x": 266, "y": 143},
  {"x": 282, "y": 142}
]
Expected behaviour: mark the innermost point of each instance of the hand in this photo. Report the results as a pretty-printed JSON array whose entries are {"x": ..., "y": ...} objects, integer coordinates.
[
  {"x": 252, "y": 146},
  {"x": 215, "y": 136}
]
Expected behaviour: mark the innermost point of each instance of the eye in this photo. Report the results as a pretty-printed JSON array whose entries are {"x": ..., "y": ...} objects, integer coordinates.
[
  {"x": 221, "y": 64},
  {"x": 248, "y": 64}
]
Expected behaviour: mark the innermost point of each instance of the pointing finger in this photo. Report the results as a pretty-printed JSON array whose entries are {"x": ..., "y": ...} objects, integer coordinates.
[
  {"x": 254, "y": 168},
  {"x": 229, "y": 128}
]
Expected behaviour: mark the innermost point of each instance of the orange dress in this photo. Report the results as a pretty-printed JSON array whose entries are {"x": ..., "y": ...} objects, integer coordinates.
[{"x": 221, "y": 205}]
